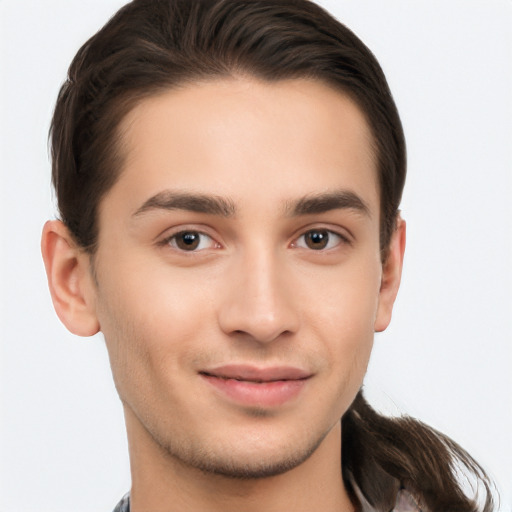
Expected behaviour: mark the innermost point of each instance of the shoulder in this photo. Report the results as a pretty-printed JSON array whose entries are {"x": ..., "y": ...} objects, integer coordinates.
[
  {"x": 405, "y": 502},
  {"x": 124, "y": 504}
]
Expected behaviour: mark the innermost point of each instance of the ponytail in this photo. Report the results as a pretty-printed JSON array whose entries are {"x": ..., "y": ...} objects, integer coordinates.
[{"x": 381, "y": 455}]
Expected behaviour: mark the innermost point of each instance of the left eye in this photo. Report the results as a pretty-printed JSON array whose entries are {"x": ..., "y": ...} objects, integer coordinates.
[
  {"x": 191, "y": 241},
  {"x": 318, "y": 240}
]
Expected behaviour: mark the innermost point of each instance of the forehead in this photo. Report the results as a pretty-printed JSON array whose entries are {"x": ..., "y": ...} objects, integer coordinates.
[{"x": 244, "y": 138}]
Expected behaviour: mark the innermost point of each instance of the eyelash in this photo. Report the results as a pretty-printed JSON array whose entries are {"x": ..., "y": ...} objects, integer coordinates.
[
  {"x": 172, "y": 240},
  {"x": 341, "y": 239}
]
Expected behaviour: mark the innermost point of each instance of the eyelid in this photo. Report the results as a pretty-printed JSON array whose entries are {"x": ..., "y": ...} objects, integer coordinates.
[
  {"x": 344, "y": 237},
  {"x": 344, "y": 234},
  {"x": 171, "y": 234}
]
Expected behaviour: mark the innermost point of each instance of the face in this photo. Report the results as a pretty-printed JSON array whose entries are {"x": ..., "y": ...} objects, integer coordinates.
[{"x": 238, "y": 275}]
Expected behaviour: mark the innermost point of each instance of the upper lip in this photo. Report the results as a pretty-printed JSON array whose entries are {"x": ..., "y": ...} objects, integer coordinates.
[{"x": 254, "y": 374}]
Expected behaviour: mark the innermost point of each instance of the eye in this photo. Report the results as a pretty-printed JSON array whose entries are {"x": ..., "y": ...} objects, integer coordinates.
[
  {"x": 319, "y": 240},
  {"x": 191, "y": 241}
]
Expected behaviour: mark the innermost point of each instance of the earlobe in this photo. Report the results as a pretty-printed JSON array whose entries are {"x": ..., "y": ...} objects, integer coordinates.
[
  {"x": 391, "y": 276},
  {"x": 69, "y": 279}
]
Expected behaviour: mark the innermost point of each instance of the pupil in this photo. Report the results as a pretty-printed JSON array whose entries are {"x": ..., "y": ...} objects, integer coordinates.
[
  {"x": 317, "y": 239},
  {"x": 189, "y": 238}
]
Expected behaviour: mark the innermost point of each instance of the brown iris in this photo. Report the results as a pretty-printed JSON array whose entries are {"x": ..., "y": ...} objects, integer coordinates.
[
  {"x": 188, "y": 240},
  {"x": 317, "y": 239}
]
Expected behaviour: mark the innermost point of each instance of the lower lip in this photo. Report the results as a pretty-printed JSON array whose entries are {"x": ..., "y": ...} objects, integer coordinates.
[{"x": 256, "y": 394}]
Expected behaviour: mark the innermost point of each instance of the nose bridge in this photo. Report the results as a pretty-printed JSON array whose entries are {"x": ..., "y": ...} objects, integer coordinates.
[{"x": 259, "y": 302}]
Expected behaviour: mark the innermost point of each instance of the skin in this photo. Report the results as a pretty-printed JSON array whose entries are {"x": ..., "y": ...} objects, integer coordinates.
[{"x": 255, "y": 291}]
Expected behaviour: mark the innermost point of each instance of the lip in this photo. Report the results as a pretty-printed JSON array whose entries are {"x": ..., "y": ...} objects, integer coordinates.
[{"x": 257, "y": 387}]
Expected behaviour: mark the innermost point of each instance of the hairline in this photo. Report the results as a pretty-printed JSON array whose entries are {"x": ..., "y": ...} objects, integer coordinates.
[{"x": 129, "y": 100}]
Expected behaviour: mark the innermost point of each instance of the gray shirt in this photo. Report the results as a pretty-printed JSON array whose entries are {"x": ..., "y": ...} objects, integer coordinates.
[{"x": 405, "y": 502}]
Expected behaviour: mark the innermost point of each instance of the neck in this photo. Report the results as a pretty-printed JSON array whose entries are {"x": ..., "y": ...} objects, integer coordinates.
[{"x": 161, "y": 483}]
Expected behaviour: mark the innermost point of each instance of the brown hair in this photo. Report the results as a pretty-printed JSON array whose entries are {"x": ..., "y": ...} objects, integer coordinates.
[
  {"x": 150, "y": 45},
  {"x": 155, "y": 45}
]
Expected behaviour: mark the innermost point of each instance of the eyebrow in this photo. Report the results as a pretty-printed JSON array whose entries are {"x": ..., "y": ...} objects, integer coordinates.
[
  {"x": 215, "y": 205},
  {"x": 199, "y": 203},
  {"x": 321, "y": 203}
]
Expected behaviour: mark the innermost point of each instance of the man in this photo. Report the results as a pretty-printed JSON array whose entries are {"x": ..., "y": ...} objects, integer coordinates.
[{"x": 228, "y": 177}]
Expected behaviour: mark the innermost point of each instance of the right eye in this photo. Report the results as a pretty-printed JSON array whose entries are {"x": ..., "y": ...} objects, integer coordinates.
[{"x": 191, "y": 241}]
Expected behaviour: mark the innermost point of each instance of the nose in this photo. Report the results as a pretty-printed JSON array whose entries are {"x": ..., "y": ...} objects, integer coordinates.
[{"x": 259, "y": 301}]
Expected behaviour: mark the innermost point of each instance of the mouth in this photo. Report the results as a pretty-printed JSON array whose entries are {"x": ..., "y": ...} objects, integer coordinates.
[{"x": 260, "y": 387}]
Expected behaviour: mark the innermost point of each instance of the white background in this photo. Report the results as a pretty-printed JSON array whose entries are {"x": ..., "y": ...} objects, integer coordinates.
[{"x": 447, "y": 355}]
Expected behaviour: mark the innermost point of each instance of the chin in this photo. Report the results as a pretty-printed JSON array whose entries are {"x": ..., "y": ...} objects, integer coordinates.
[
  {"x": 244, "y": 468},
  {"x": 246, "y": 462}
]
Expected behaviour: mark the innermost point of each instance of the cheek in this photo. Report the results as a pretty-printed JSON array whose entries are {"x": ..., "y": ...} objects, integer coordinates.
[
  {"x": 345, "y": 298},
  {"x": 155, "y": 297},
  {"x": 148, "y": 324},
  {"x": 343, "y": 315}
]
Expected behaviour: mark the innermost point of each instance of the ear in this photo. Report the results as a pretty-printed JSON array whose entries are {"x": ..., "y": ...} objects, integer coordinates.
[
  {"x": 391, "y": 275},
  {"x": 69, "y": 278}
]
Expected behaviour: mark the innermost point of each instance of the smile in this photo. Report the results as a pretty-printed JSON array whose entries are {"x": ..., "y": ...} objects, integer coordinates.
[{"x": 250, "y": 386}]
